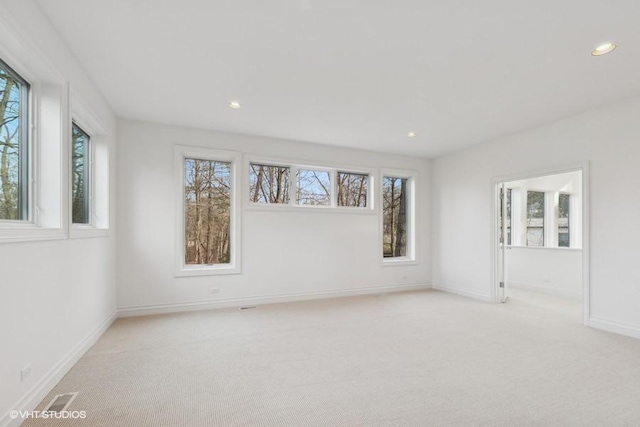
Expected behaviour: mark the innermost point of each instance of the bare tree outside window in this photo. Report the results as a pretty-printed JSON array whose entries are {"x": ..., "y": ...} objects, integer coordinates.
[
  {"x": 535, "y": 218},
  {"x": 352, "y": 189},
  {"x": 13, "y": 145},
  {"x": 207, "y": 194},
  {"x": 80, "y": 182},
  {"x": 394, "y": 215},
  {"x": 313, "y": 187},
  {"x": 269, "y": 184}
]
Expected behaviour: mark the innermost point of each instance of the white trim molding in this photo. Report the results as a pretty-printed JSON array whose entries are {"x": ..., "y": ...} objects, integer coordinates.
[
  {"x": 615, "y": 327},
  {"x": 144, "y": 310},
  {"x": 465, "y": 292},
  {"x": 39, "y": 391}
]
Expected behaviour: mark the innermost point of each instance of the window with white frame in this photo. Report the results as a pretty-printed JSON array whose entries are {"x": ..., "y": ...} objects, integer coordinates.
[
  {"x": 397, "y": 217},
  {"x": 80, "y": 176},
  {"x": 272, "y": 183},
  {"x": 90, "y": 174},
  {"x": 14, "y": 146},
  {"x": 269, "y": 184},
  {"x": 208, "y": 219},
  {"x": 509, "y": 215},
  {"x": 353, "y": 189},
  {"x": 535, "y": 218},
  {"x": 313, "y": 187},
  {"x": 564, "y": 220}
]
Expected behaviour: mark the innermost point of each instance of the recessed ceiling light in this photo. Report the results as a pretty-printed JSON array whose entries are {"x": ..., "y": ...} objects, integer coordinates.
[
  {"x": 235, "y": 105},
  {"x": 411, "y": 135},
  {"x": 603, "y": 49}
]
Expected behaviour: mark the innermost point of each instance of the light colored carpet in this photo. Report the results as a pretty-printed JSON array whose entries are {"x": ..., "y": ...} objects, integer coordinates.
[{"x": 407, "y": 359}]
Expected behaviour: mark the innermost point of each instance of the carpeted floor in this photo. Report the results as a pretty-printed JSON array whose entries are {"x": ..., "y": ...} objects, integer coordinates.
[{"x": 407, "y": 359}]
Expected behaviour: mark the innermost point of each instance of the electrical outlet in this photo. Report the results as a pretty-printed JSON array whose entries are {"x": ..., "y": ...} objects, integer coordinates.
[
  {"x": 25, "y": 372},
  {"x": 215, "y": 290}
]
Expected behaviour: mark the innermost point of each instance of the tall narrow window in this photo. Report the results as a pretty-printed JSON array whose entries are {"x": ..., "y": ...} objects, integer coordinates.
[
  {"x": 313, "y": 187},
  {"x": 508, "y": 216},
  {"x": 80, "y": 176},
  {"x": 535, "y": 218},
  {"x": 564, "y": 226},
  {"x": 207, "y": 212},
  {"x": 394, "y": 213},
  {"x": 14, "y": 92},
  {"x": 352, "y": 189},
  {"x": 269, "y": 184}
]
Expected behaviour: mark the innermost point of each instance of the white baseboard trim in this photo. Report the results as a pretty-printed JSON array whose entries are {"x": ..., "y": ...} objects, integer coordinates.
[
  {"x": 548, "y": 290},
  {"x": 470, "y": 293},
  {"x": 615, "y": 327},
  {"x": 40, "y": 390},
  {"x": 145, "y": 310}
]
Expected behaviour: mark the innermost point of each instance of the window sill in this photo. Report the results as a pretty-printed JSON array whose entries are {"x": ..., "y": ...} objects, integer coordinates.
[
  {"x": 207, "y": 271},
  {"x": 85, "y": 232},
  {"x": 398, "y": 262},
  {"x": 308, "y": 209},
  {"x": 544, "y": 248},
  {"x": 29, "y": 233}
]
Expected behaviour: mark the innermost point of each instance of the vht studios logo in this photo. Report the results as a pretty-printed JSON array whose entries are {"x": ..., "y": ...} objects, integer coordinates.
[{"x": 60, "y": 415}]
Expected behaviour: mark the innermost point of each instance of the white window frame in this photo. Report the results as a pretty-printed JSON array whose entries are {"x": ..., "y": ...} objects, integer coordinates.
[
  {"x": 182, "y": 152},
  {"x": 99, "y": 172},
  {"x": 89, "y": 168},
  {"x": 294, "y": 166},
  {"x": 274, "y": 164},
  {"x": 547, "y": 226},
  {"x": 411, "y": 258},
  {"x": 47, "y": 149}
]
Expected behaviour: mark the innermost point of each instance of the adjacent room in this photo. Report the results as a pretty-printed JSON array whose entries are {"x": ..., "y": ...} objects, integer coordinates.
[
  {"x": 319, "y": 213},
  {"x": 541, "y": 242}
]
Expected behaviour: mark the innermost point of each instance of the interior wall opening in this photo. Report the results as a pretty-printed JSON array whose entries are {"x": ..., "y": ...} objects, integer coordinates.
[{"x": 541, "y": 242}]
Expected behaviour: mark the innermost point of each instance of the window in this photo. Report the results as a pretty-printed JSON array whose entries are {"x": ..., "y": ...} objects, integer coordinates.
[
  {"x": 394, "y": 213},
  {"x": 272, "y": 182},
  {"x": 208, "y": 224},
  {"x": 14, "y": 161},
  {"x": 535, "y": 218},
  {"x": 564, "y": 225},
  {"x": 80, "y": 176},
  {"x": 207, "y": 212},
  {"x": 313, "y": 187},
  {"x": 269, "y": 184},
  {"x": 352, "y": 189},
  {"x": 508, "y": 216}
]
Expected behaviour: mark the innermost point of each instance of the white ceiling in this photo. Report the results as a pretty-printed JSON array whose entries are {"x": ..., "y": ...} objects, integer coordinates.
[{"x": 356, "y": 73}]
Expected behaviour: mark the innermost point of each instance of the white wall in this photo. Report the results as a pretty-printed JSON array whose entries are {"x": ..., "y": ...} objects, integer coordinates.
[
  {"x": 555, "y": 271},
  {"x": 283, "y": 253},
  {"x": 55, "y": 294},
  {"x": 609, "y": 139}
]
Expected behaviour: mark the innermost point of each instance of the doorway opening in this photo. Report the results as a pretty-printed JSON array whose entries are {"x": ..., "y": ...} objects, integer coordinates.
[{"x": 541, "y": 240}]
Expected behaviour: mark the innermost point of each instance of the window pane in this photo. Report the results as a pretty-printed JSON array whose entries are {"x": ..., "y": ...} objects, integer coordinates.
[
  {"x": 13, "y": 145},
  {"x": 207, "y": 190},
  {"x": 352, "y": 189},
  {"x": 394, "y": 213},
  {"x": 313, "y": 187},
  {"x": 508, "y": 219},
  {"x": 535, "y": 218},
  {"x": 564, "y": 207},
  {"x": 80, "y": 176},
  {"x": 269, "y": 184}
]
